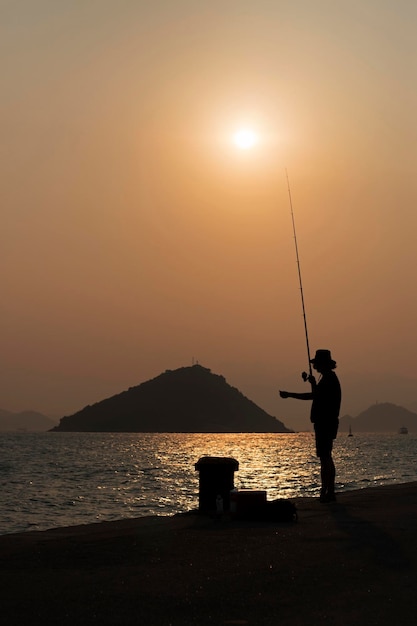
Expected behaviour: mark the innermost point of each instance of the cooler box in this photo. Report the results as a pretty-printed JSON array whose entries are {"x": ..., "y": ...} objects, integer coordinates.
[{"x": 245, "y": 503}]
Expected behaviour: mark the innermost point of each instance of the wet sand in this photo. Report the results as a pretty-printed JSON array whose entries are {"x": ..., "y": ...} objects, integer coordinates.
[{"x": 350, "y": 562}]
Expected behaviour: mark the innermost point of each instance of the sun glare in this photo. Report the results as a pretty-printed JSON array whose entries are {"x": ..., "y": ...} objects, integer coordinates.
[{"x": 245, "y": 139}]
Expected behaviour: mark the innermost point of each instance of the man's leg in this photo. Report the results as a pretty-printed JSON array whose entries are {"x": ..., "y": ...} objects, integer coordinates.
[
  {"x": 328, "y": 477},
  {"x": 331, "y": 471}
]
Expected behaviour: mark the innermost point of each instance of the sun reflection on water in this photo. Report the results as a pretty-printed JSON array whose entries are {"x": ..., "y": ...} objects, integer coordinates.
[{"x": 57, "y": 479}]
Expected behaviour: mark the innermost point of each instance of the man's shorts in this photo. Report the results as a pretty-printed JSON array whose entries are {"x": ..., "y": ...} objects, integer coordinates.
[{"x": 324, "y": 439}]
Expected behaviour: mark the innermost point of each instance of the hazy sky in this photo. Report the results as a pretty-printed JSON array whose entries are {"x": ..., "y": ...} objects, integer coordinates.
[{"x": 136, "y": 237}]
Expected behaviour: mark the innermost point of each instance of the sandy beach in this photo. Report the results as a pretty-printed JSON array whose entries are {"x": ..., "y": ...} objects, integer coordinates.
[{"x": 350, "y": 562}]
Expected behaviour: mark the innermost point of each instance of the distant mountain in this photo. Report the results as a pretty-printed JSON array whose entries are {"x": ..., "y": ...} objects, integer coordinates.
[
  {"x": 30, "y": 421},
  {"x": 188, "y": 399},
  {"x": 384, "y": 417}
]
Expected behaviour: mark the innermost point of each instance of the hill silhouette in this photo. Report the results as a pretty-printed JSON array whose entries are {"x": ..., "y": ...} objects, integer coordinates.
[
  {"x": 188, "y": 399},
  {"x": 380, "y": 417},
  {"x": 30, "y": 421}
]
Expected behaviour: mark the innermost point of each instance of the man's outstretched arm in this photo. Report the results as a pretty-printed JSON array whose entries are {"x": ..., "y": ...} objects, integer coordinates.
[{"x": 297, "y": 396}]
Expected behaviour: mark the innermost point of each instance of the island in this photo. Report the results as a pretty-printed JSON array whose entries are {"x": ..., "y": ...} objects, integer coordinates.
[{"x": 189, "y": 399}]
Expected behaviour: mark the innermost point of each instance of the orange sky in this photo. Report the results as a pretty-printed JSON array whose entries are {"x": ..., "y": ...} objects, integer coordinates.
[{"x": 136, "y": 237}]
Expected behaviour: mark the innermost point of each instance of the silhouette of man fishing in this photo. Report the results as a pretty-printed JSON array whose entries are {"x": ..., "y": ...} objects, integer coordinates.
[{"x": 326, "y": 396}]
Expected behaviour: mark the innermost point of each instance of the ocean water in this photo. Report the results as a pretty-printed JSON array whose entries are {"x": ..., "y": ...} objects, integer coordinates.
[{"x": 63, "y": 479}]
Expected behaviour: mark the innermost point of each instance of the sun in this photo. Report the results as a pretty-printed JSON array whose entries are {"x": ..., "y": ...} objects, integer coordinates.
[{"x": 245, "y": 138}]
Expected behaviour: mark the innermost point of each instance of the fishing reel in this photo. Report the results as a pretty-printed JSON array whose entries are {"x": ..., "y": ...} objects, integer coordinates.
[{"x": 310, "y": 378}]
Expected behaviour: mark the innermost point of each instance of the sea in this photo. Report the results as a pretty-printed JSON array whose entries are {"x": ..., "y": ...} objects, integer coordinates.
[{"x": 51, "y": 480}]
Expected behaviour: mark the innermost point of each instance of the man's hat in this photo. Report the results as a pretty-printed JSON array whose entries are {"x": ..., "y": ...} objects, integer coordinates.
[{"x": 324, "y": 357}]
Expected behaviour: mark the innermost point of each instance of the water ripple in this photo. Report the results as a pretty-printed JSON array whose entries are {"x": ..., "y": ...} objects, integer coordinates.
[{"x": 61, "y": 479}]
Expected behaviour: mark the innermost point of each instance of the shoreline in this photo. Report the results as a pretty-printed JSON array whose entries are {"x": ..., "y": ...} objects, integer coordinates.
[
  {"x": 355, "y": 559},
  {"x": 41, "y": 496},
  {"x": 194, "y": 510}
]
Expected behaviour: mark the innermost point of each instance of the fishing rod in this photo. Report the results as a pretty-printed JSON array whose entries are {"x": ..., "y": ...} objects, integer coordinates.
[{"x": 304, "y": 374}]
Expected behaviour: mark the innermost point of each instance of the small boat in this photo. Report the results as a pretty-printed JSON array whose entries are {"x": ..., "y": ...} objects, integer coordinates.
[
  {"x": 350, "y": 432},
  {"x": 403, "y": 430}
]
